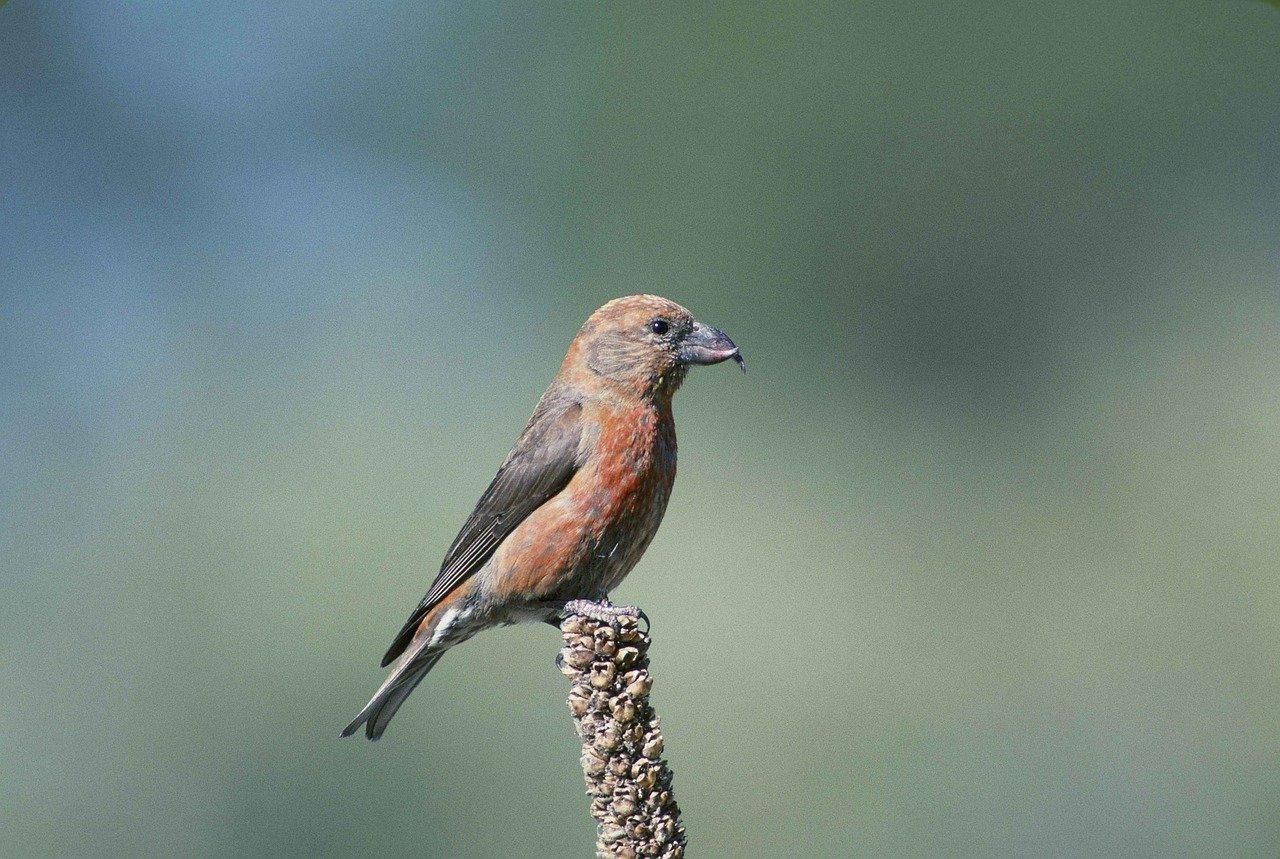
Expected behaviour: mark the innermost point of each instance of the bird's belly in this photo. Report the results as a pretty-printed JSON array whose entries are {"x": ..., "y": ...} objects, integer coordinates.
[
  {"x": 579, "y": 544},
  {"x": 624, "y": 525}
]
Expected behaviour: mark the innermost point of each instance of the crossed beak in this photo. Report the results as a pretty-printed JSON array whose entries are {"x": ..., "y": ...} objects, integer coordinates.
[{"x": 707, "y": 345}]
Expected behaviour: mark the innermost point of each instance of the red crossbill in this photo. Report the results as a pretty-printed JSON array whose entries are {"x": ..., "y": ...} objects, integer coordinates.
[{"x": 578, "y": 499}]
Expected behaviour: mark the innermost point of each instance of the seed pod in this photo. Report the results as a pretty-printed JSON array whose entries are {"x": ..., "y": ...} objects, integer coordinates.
[
  {"x": 626, "y": 712},
  {"x": 592, "y": 763},
  {"x": 577, "y": 703},
  {"x": 627, "y": 656},
  {"x": 602, "y": 674},
  {"x": 640, "y": 687}
]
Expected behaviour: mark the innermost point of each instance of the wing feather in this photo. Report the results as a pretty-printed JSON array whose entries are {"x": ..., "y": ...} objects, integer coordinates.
[{"x": 541, "y": 463}]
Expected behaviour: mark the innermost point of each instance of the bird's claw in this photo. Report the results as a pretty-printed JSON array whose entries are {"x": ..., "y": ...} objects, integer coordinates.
[{"x": 605, "y": 611}]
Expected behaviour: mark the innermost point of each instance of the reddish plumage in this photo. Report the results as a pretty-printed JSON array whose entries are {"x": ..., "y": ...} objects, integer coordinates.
[{"x": 578, "y": 499}]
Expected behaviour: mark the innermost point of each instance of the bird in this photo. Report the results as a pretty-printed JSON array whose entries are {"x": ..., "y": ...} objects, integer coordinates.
[{"x": 577, "y": 500}]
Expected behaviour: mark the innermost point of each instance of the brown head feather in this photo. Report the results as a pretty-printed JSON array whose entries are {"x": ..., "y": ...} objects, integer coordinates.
[{"x": 630, "y": 346}]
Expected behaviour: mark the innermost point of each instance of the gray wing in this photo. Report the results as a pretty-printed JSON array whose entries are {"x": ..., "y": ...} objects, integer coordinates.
[{"x": 541, "y": 464}]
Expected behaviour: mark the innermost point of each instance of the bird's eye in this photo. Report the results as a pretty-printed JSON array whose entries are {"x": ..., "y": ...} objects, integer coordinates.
[{"x": 659, "y": 326}]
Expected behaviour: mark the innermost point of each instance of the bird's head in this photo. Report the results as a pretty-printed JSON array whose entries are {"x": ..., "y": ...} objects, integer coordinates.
[{"x": 646, "y": 344}]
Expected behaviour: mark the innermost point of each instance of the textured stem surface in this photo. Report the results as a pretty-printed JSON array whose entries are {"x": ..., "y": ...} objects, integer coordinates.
[{"x": 627, "y": 778}]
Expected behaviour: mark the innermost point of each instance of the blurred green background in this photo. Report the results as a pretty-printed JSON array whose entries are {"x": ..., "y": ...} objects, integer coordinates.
[{"x": 980, "y": 558}]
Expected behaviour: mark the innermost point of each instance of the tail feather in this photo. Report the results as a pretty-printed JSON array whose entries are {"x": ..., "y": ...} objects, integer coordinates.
[{"x": 392, "y": 693}]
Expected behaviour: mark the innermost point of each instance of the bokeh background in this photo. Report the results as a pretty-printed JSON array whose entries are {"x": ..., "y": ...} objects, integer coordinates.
[{"x": 980, "y": 558}]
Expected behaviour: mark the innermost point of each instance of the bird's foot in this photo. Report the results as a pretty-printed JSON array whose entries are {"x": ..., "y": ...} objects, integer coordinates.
[{"x": 605, "y": 611}]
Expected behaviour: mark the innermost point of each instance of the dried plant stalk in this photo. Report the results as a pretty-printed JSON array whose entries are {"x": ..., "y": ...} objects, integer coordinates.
[{"x": 629, "y": 782}]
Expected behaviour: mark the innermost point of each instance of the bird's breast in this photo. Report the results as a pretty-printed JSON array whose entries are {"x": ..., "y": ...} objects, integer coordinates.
[
  {"x": 625, "y": 491},
  {"x": 586, "y": 539}
]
